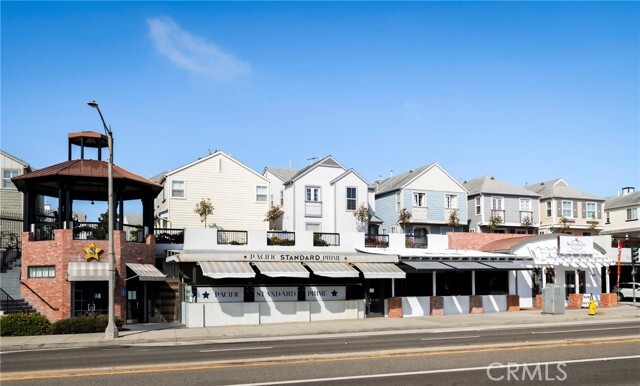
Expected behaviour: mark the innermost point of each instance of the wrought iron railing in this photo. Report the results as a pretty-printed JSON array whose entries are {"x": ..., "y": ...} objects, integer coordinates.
[
  {"x": 135, "y": 233},
  {"x": 43, "y": 231},
  {"x": 376, "y": 241},
  {"x": 169, "y": 236},
  {"x": 9, "y": 303},
  {"x": 90, "y": 231},
  {"x": 326, "y": 239},
  {"x": 39, "y": 297},
  {"x": 281, "y": 238},
  {"x": 232, "y": 237},
  {"x": 411, "y": 241}
]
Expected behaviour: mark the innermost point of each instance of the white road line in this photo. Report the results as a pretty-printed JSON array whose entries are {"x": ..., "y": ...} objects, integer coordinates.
[
  {"x": 509, "y": 365},
  {"x": 455, "y": 337},
  {"x": 584, "y": 330},
  {"x": 237, "y": 349},
  {"x": 39, "y": 349}
]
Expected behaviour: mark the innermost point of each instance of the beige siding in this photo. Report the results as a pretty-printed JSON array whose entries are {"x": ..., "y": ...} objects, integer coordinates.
[{"x": 436, "y": 179}]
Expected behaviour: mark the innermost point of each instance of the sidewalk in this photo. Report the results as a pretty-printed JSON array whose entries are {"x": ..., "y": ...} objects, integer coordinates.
[{"x": 175, "y": 333}]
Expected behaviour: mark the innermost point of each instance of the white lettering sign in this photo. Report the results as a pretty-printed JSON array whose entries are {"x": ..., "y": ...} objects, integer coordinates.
[
  {"x": 325, "y": 293},
  {"x": 220, "y": 294},
  {"x": 575, "y": 245},
  {"x": 275, "y": 294}
]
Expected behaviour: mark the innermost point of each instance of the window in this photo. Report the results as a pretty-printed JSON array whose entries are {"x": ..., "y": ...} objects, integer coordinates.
[
  {"x": 352, "y": 197},
  {"x": 525, "y": 205},
  {"x": 632, "y": 214},
  {"x": 44, "y": 271},
  {"x": 261, "y": 193},
  {"x": 313, "y": 194},
  {"x": 177, "y": 189},
  {"x": 591, "y": 210},
  {"x": 397, "y": 202},
  {"x": 608, "y": 218},
  {"x": 312, "y": 227},
  {"x": 7, "y": 174},
  {"x": 478, "y": 205},
  {"x": 451, "y": 201},
  {"x": 548, "y": 208},
  {"x": 567, "y": 209},
  {"x": 281, "y": 197},
  {"x": 418, "y": 199},
  {"x": 497, "y": 203},
  {"x": 393, "y": 229}
]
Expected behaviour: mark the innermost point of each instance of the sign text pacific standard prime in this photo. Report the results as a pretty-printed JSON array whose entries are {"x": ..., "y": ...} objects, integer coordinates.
[{"x": 300, "y": 257}]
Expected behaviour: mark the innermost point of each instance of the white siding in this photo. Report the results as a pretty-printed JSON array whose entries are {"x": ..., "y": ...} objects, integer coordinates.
[{"x": 436, "y": 179}]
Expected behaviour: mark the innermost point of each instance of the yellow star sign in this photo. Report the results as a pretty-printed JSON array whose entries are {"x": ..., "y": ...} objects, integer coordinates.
[{"x": 92, "y": 252}]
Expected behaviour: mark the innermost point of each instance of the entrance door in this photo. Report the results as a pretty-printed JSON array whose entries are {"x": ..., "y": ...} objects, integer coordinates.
[
  {"x": 374, "y": 295},
  {"x": 90, "y": 297}
]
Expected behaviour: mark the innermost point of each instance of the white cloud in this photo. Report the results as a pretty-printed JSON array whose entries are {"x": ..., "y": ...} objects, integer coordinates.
[{"x": 193, "y": 53}]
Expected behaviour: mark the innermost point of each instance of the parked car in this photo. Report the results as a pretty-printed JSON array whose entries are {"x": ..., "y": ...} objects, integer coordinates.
[{"x": 625, "y": 290}]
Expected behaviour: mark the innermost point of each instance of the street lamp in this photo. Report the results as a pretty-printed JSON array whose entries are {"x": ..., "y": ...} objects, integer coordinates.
[{"x": 112, "y": 330}]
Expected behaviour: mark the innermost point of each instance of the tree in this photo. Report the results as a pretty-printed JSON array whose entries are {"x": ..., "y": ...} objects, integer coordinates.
[
  {"x": 403, "y": 217},
  {"x": 362, "y": 217},
  {"x": 527, "y": 223},
  {"x": 565, "y": 224},
  {"x": 454, "y": 220},
  {"x": 494, "y": 221},
  {"x": 273, "y": 214},
  {"x": 204, "y": 209}
]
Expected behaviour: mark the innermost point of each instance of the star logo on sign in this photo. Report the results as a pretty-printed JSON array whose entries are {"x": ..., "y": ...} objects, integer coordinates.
[
  {"x": 334, "y": 293},
  {"x": 205, "y": 295},
  {"x": 92, "y": 252}
]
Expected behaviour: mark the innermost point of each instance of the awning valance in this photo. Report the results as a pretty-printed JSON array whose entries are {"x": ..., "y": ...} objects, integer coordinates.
[
  {"x": 428, "y": 266},
  {"x": 380, "y": 271},
  {"x": 227, "y": 269},
  {"x": 94, "y": 271},
  {"x": 333, "y": 269},
  {"x": 281, "y": 269},
  {"x": 146, "y": 272}
]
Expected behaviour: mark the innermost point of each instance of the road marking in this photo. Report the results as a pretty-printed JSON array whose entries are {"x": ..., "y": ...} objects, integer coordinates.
[
  {"x": 237, "y": 349},
  {"x": 585, "y": 330},
  {"x": 455, "y": 337},
  {"x": 425, "y": 372},
  {"x": 39, "y": 349}
]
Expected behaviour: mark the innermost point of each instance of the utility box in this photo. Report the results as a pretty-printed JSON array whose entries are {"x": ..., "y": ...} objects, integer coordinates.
[{"x": 553, "y": 299}]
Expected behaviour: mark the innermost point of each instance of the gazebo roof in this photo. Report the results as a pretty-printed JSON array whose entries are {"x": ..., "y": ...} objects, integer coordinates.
[{"x": 87, "y": 180}]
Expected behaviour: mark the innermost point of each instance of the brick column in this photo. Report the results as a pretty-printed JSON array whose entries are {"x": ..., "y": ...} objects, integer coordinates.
[
  {"x": 436, "y": 304},
  {"x": 608, "y": 300},
  {"x": 538, "y": 301},
  {"x": 513, "y": 303},
  {"x": 395, "y": 307},
  {"x": 475, "y": 304},
  {"x": 575, "y": 301}
]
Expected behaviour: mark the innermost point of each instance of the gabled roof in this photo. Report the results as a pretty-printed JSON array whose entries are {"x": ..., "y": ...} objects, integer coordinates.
[
  {"x": 491, "y": 185},
  {"x": 15, "y": 159},
  {"x": 212, "y": 155},
  {"x": 558, "y": 188},
  {"x": 284, "y": 174},
  {"x": 327, "y": 161},
  {"x": 626, "y": 200},
  {"x": 402, "y": 180},
  {"x": 343, "y": 175}
]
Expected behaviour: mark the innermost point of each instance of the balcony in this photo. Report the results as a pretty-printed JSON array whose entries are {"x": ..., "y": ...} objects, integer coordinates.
[
  {"x": 281, "y": 238},
  {"x": 376, "y": 241},
  {"x": 169, "y": 236},
  {"x": 418, "y": 214},
  {"x": 326, "y": 239},
  {"x": 411, "y": 241},
  {"x": 495, "y": 213},
  {"x": 526, "y": 217},
  {"x": 232, "y": 237},
  {"x": 313, "y": 209}
]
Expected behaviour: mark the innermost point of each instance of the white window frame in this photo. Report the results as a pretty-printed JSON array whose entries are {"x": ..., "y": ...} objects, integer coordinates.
[
  {"x": 594, "y": 210},
  {"x": 451, "y": 201},
  {"x": 183, "y": 190},
  {"x": 525, "y": 205},
  {"x": 41, "y": 272},
  {"x": 419, "y": 200},
  {"x": 313, "y": 227},
  {"x": 397, "y": 203},
  {"x": 497, "y": 203},
  {"x": 352, "y": 200},
  {"x": 261, "y": 193},
  {"x": 549, "y": 210},
  {"x": 632, "y": 214},
  {"x": 569, "y": 211},
  {"x": 7, "y": 174},
  {"x": 478, "y": 205},
  {"x": 312, "y": 194}
]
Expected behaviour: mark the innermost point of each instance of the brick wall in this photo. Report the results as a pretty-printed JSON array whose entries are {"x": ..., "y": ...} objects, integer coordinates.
[
  {"x": 608, "y": 300},
  {"x": 575, "y": 301},
  {"x": 474, "y": 241},
  {"x": 62, "y": 250},
  {"x": 395, "y": 307},
  {"x": 436, "y": 304},
  {"x": 513, "y": 303},
  {"x": 475, "y": 305}
]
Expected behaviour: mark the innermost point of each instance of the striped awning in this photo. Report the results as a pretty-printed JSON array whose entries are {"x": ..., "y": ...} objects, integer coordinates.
[
  {"x": 94, "y": 271},
  {"x": 227, "y": 269},
  {"x": 333, "y": 269},
  {"x": 281, "y": 269},
  {"x": 380, "y": 271},
  {"x": 146, "y": 272}
]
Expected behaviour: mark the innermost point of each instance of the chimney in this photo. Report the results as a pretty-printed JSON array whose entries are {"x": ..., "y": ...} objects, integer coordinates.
[
  {"x": 628, "y": 190},
  {"x": 391, "y": 173}
]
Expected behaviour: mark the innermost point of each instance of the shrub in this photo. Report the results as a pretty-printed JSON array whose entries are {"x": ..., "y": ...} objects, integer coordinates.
[
  {"x": 83, "y": 324},
  {"x": 21, "y": 324}
]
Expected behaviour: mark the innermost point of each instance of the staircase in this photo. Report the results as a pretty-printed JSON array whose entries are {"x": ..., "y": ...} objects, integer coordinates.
[
  {"x": 169, "y": 300},
  {"x": 10, "y": 300}
]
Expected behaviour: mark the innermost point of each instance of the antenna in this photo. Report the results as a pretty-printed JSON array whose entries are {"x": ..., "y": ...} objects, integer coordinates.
[{"x": 312, "y": 158}]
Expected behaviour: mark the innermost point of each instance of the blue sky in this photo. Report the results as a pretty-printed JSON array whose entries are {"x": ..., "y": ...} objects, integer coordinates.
[{"x": 523, "y": 91}]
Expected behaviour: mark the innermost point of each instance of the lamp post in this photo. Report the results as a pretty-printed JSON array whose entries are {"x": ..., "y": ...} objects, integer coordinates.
[{"x": 112, "y": 330}]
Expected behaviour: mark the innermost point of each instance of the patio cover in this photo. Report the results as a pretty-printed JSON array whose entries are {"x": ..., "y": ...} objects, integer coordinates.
[
  {"x": 281, "y": 269},
  {"x": 93, "y": 271},
  {"x": 227, "y": 269},
  {"x": 146, "y": 272},
  {"x": 333, "y": 269},
  {"x": 380, "y": 271}
]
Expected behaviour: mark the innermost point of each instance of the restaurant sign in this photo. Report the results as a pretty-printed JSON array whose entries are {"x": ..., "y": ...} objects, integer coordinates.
[
  {"x": 575, "y": 245},
  {"x": 220, "y": 294},
  {"x": 325, "y": 293},
  {"x": 275, "y": 294}
]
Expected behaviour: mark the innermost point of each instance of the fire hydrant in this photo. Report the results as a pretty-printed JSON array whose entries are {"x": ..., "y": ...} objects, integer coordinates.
[{"x": 592, "y": 306}]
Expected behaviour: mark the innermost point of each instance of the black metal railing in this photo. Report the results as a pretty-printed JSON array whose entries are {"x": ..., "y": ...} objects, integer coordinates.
[
  {"x": 90, "y": 231},
  {"x": 135, "y": 233},
  {"x": 43, "y": 231},
  {"x": 376, "y": 241},
  {"x": 39, "y": 297},
  {"x": 411, "y": 241},
  {"x": 9, "y": 304},
  {"x": 232, "y": 237},
  {"x": 281, "y": 238},
  {"x": 326, "y": 239},
  {"x": 169, "y": 236}
]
